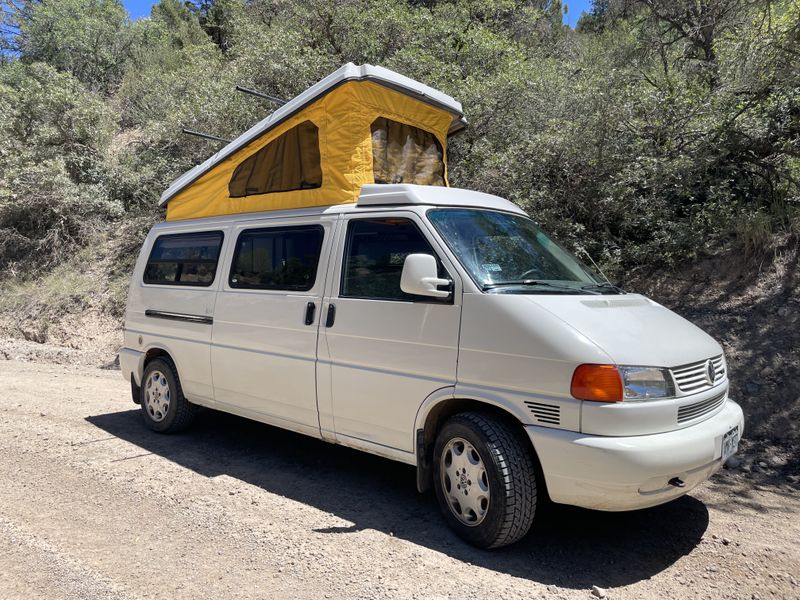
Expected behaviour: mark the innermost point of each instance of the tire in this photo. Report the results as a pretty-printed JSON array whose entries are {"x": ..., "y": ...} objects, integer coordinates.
[
  {"x": 500, "y": 473},
  {"x": 164, "y": 407}
]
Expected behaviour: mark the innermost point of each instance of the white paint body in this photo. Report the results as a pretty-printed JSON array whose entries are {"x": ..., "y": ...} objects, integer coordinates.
[{"x": 371, "y": 379}]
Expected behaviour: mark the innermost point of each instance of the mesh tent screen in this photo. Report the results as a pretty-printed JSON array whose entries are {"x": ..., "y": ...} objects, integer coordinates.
[{"x": 405, "y": 154}]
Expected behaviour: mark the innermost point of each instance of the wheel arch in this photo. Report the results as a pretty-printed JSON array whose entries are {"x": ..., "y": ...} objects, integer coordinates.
[
  {"x": 443, "y": 404},
  {"x": 154, "y": 351}
]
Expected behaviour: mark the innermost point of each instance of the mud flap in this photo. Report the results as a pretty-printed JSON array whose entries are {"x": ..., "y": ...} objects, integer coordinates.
[
  {"x": 135, "y": 391},
  {"x": 423, "y": 463}
]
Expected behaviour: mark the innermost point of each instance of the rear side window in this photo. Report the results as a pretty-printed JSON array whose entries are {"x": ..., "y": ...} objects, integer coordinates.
[
  {"x": 374, "y": 256},
  {"x": 184, "y": 259},
  {"x": 277, "y": 258}
]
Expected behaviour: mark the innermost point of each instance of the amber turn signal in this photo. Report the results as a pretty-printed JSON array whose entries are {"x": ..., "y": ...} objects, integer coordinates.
[{"x": 601, "y": 383}]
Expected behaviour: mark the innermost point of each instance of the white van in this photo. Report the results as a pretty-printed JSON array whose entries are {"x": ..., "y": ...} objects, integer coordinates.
[{"x": 441, "y": 328}]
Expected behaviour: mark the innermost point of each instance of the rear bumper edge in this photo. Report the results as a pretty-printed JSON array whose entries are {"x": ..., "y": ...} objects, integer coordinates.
[{"x": 131, "y": 363}]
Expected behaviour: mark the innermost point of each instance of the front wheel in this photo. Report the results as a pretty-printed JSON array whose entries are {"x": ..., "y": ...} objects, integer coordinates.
[{"x": 484, "y": 480}]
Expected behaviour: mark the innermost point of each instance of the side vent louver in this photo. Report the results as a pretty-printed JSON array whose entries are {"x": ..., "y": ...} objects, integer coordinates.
[{"x": 548, "y": 414}]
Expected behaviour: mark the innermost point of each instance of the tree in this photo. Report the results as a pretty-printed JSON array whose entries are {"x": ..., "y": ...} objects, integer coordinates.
[
  {"x": 698, "y": 26},
  {"x": 53, "y": 136},
  {"x": 656, "y": 130},
  {"x": 83, "y": 37}
]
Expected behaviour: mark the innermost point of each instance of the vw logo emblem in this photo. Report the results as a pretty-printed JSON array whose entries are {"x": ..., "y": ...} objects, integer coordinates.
[{"x": 711, "y": 372}]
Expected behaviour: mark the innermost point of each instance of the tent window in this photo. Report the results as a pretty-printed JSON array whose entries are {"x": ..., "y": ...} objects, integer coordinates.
[
  {"x": 405, "y": 154},
  {"x": 290, "y": 162}
]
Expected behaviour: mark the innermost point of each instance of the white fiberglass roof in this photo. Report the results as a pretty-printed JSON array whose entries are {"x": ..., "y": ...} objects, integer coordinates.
[{"x": 382, "y": 194}]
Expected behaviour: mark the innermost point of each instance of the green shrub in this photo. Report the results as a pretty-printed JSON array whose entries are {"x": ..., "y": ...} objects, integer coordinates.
[{"x": 619, "y": 138}]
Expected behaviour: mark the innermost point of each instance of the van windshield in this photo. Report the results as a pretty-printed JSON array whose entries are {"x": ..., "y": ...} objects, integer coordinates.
[{"x": 508, "y": 253}]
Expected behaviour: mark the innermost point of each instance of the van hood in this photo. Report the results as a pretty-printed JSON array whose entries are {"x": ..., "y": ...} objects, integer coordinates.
[{"x": 632, "y": 329}]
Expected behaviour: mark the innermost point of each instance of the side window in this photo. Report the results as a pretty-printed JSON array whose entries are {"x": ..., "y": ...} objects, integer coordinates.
[
  {"x": 405, "y": 154},
  {"x": 277, "y": 258},
  {"x": 184, "y": 259},
  {"x": 374, "y": 255},
  {"x": 289, "y": 162}
]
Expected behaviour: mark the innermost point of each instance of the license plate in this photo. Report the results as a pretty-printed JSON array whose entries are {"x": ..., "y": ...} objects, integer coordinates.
[{"x": 730, "y": 443}]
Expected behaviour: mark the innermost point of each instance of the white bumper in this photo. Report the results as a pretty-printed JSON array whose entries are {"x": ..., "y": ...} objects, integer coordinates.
[
  {"x": 626, "y": 473},
  {"x": 131, "y": 362}
]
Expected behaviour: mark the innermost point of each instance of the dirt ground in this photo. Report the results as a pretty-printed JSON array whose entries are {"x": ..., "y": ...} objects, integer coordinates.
[{"x": 94, "y": 505}]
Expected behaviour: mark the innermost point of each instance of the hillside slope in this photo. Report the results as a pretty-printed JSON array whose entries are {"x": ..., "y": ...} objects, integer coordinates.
[
  {"x": 73, "y": 313},
  {"x": 751, "y": 304}
]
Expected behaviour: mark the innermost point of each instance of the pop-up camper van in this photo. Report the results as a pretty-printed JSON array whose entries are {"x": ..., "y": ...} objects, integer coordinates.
[{"x": 319, "y": 274}]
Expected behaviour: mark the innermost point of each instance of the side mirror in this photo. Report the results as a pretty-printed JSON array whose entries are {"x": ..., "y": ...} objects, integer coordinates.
[{"x": 420, "y": 277}]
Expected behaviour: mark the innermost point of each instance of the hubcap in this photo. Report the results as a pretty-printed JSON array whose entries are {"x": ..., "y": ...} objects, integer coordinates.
[
  {"x": 464, "y": 481},
  {"x": 156, "y": 396}
]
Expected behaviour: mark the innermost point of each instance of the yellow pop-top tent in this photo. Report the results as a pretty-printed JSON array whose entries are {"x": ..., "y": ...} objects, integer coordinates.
[{"x": 361, "y": 124}]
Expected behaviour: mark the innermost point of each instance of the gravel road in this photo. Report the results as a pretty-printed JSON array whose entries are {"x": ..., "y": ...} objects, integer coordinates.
[{"x": 94, "y": 505}]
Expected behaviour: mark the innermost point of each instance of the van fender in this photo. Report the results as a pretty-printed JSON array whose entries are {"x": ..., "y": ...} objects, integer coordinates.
[
  {"x": 472, "y": 397},
  {"x": 157, "y": 346},
  {"x": 493, "y": 398},
  {"x": 182, "y": 364},
  {"x": 424, "y": 467}
]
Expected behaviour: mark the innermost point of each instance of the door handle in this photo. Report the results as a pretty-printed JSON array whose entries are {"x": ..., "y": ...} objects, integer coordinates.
[
  {"x": 331, "y": 315},
  {"x": 311, "y": 308}
]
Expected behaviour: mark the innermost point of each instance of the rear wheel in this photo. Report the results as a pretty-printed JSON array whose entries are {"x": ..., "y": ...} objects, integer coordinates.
[
  {"x": 164, "y": 407},
  {"x": 484, "y": 479}
]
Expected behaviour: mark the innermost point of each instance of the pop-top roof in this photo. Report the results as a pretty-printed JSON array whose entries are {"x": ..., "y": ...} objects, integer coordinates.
[
  {"x": 347, "y": 73},
  {"x": 403, "y": 194}
]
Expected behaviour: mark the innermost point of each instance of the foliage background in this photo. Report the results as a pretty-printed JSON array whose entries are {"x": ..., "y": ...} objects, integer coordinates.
[{"x": 657, "y": 130}]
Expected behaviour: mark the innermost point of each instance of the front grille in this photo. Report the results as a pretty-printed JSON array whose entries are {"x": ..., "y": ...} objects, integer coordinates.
[
  {"x": 549, "y": 414},
  {"x": 693, "y": 377},
  {"x": 698, "y": 409}
]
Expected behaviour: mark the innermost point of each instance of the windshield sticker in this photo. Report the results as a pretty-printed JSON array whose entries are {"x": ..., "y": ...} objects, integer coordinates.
[{"x": 492, "y": 268}]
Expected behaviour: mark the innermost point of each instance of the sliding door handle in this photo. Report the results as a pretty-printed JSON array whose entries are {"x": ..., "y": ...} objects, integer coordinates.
[
  {"x": 331, "y": 315},
  {"x": 311, "y": 308}
]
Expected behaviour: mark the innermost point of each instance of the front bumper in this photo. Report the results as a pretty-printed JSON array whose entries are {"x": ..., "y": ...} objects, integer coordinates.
[{"x": 626, "y": 473}]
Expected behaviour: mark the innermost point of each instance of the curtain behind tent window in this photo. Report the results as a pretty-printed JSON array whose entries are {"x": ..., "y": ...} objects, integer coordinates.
[
  {"x": 405, "y": 154},
  {"x": 289, "y": 162}
]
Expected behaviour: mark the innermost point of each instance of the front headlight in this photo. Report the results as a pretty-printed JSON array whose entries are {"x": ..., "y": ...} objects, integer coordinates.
[{"x": 646, "y": 382}]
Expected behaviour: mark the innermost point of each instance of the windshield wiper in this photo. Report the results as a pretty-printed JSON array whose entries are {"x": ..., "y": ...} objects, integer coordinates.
[
  {"x": 604, "y": 286},
  {"x": 491, "y": 286}
]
